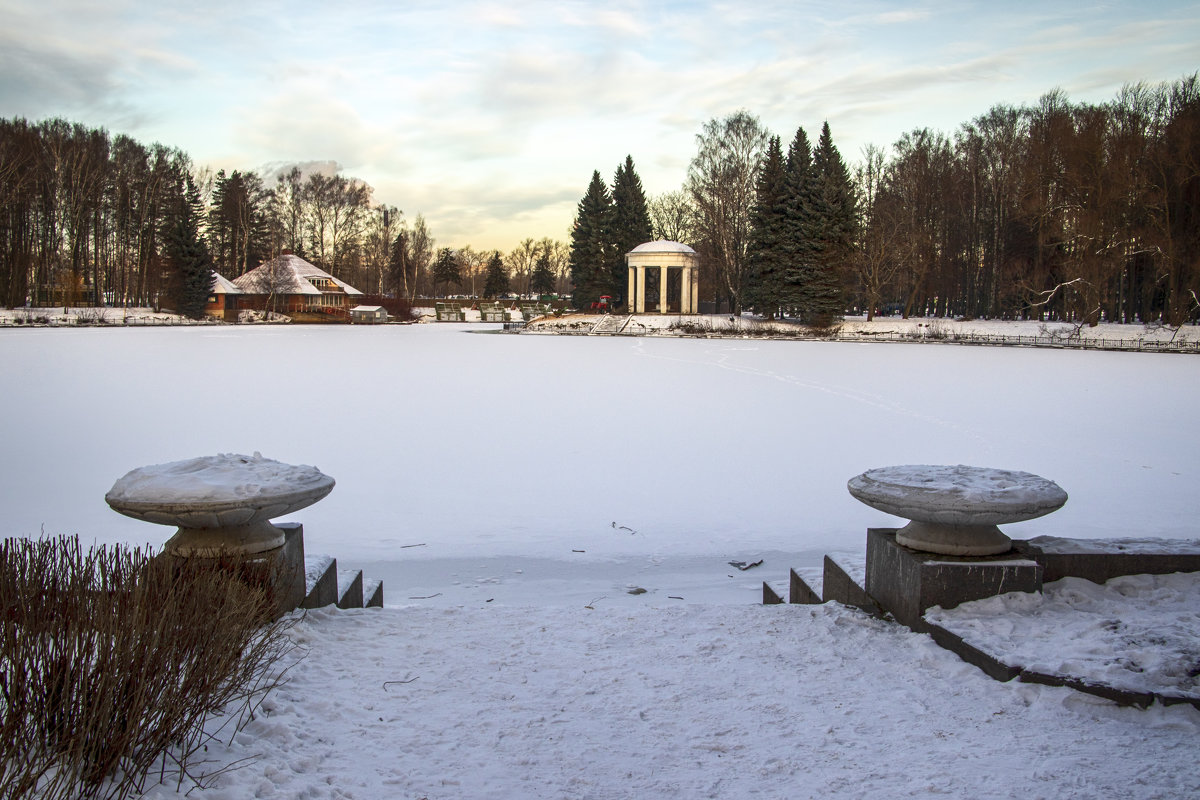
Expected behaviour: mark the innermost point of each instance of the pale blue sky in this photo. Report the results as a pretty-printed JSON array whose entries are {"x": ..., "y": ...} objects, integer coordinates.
[{"x": 489, "y": 117}]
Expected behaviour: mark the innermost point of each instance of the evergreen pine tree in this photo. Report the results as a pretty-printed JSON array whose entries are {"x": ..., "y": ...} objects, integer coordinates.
[
  {"x": 446, "y": 269},
  {"x": 495, "y": 283},
  {"x": 631, "y": 223},
  {"x": 764, "y": 252},
  {"x": 835, "y": 230},
  {"x": 591, "y": 245},
  {"x": 191, "y": 264},
  {"x": 543, "y": 274},
  {"x": 796, "y": 241}
]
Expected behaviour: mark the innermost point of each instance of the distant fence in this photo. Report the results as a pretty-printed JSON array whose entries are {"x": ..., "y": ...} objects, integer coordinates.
[
  {"x": 116, "y": 321},
  {"x": 1059, "y": 342},
  {"x": 1063, "y": 342}
]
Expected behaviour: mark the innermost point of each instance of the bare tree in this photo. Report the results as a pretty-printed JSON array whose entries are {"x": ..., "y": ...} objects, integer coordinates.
[
  {"x": 472, "y": 264},
  {"x": 521, "y": 261},
  {"x": 273, "y": 279},
  {"x": 673, "y": 217},
  {"x": 382, "y": 226},
  {"x": 335, "y": 210},
  {"x": 420, "y": 254},
  {"x": 559, "y": 255},
  {"x": 880, "y": 252},
  {"x": 721, "y": 181}
]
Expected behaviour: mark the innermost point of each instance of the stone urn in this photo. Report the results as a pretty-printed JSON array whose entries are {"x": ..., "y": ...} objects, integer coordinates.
[
  {"x": 220, "y": 504},
  {"x": 954, "y": 510}
]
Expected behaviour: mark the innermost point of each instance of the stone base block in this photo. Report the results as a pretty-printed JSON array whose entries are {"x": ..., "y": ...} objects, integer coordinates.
[
  {"x": 288, "y": 568},
  {"x": 906, "y": 582},
  {"x": 282, "y": 568},
  {"x": 1103, "y": 560}
]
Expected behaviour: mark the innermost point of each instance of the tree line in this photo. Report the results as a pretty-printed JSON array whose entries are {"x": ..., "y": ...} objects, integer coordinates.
[
  {"x": 89, "y": 218},
  {"x": 1059, "y": 210},
  {"x": 531, "y": 268}
]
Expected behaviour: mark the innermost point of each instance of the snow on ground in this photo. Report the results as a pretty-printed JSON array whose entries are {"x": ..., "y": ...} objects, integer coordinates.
[
  {"x": 678, "y": 703},
  {"x": 1136, "y": 632}
]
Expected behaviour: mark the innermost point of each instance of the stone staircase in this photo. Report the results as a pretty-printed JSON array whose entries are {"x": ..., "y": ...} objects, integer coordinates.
[
  {"x": 610, "y": 325},
  {"x": 326, "y": 585},
  {"x": 898, "y": 583}
]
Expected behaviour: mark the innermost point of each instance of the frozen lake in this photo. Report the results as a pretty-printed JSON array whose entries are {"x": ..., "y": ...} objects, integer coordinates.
[{"x": 501, "y": 456}]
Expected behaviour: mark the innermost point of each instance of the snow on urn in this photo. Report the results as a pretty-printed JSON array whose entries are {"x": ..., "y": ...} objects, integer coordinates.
[
  {"x": 954, "y": 510},
  {"x": 222, "y": 503}
]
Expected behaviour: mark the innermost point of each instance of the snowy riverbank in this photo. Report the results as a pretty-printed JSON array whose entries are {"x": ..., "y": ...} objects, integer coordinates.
[
  {"x": 678, "y": 703},
  {"x": 1105, "y": 336}
]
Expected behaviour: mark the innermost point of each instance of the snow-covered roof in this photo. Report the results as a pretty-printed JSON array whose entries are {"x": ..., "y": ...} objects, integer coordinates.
[
  {"x": 289, "y": 274},
  {"x": 373, "y": 309},
  {"x": 222, "y": 285},
  {"x": 662, "y": 246}
]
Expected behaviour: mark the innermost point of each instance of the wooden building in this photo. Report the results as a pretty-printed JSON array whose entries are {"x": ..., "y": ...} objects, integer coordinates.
[{"x": 288, "y": 284}]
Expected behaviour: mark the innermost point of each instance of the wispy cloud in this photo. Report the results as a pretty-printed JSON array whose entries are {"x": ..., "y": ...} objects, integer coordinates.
[{"x": 490, "y": 116}]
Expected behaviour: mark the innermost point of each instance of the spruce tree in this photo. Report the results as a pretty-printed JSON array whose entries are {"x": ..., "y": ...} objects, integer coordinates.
[
  {"x": 543, "y": 274},
  {"x": 836, "y": 231},
  {"x": 191, "y": 264},
  {"x": 446, "y": 269},
  {"x": 495, "y": 283},
  {"x": 631, "y": 223},
  {"x": 764, "y": 252},
  {"x": 591, "y": 245},
  {"x": 797, "y": 229}
]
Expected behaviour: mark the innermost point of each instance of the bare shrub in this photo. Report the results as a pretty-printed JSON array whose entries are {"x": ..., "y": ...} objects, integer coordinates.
[
  {"x": 114, "y": 664},
  {"x": 91, "y": 316},
  {"x": 691, "y": 326}
]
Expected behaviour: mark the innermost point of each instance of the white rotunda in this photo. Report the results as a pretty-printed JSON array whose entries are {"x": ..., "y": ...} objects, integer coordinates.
[{"x": 664, "y": 278}]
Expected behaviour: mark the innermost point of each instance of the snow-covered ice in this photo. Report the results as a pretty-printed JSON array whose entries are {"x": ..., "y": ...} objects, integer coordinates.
[{"x": 489, "y": 446}]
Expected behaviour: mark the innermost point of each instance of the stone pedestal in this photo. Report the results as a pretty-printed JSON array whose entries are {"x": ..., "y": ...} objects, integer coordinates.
[
  {"x": 955, "y": 509},
  {"x": 281, "y": 570},
  {"x": 905, "y": 582}
]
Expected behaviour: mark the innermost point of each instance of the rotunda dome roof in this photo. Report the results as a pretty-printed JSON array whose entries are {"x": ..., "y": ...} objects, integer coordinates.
[{"x": 662, "y": 246}]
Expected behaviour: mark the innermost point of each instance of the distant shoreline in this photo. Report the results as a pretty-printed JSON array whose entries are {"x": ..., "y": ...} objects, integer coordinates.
[{"x": 915, "y": 330}]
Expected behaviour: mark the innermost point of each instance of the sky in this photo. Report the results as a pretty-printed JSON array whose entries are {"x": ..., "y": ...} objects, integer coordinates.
[{"x": 488, "y": 118}]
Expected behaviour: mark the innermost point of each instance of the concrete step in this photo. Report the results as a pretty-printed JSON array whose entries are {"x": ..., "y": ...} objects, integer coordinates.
[
  {"x": 320, "y": 581},
  {"x": 326, "y": 585},
  {"x": 372, "y": 593},
  {"x": 350, "y": 588}
]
